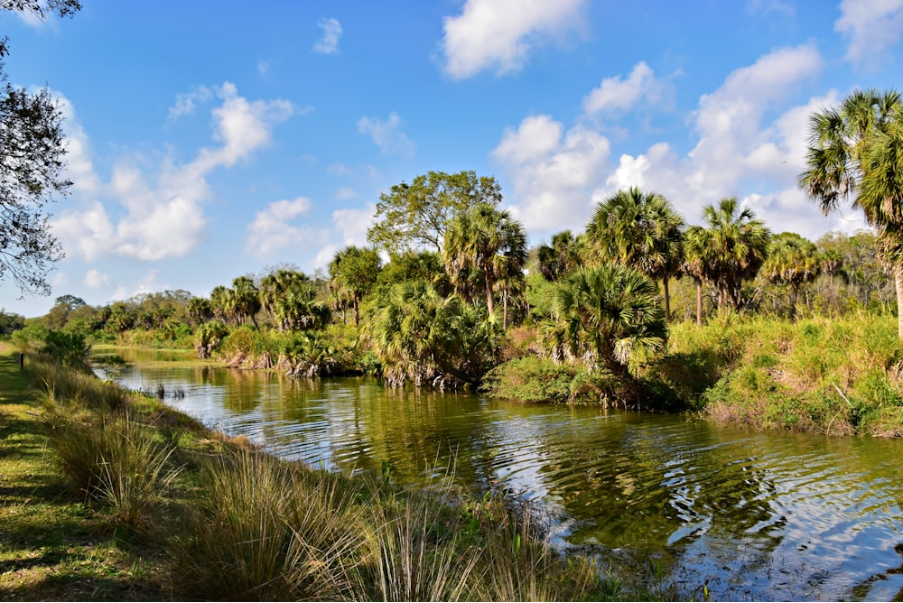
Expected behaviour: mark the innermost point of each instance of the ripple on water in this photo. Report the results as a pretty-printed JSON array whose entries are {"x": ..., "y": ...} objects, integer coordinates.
[{"x": 763, "y": 516}]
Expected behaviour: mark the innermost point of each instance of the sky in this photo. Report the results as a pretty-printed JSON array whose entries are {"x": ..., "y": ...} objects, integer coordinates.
[{"x": 207, "y": 140}]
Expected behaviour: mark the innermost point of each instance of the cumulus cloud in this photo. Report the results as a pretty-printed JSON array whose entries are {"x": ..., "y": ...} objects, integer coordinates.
[
  {"x": 740, "y": 151},
  {"x": 500, "y": 33},
  {"x": 273, "y": 230},
  {"x": 387, "y": 135},
  {"x": 163, "y": 213},
  {"x": 615, "y": 94},
  {"x": 329, "y": 42},
  {"x": 870, "y": 26},
  {"x": 94, "y": 279},
  {"x": 553, "y": 171}
]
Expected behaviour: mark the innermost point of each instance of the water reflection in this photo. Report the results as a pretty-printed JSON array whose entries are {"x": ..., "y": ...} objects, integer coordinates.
[{"x": 764, "y": 516}]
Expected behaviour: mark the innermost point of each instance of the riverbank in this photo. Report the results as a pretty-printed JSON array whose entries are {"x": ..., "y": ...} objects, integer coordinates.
[
  {"x": 836, "y": 376},
  {"x": 183, "y": 513}
]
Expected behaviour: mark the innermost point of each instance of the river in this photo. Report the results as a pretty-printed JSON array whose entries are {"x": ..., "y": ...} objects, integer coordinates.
[{"x": 761, "y": 516}]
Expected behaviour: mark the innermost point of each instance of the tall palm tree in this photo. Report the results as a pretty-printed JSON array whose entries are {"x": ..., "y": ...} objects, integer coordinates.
[
  {"x": 354, "y": 270},
  {"x": 856, "y": 154},
  {"x": 607, "y": 314},
  {"x": 199, "y": 310},
  {"x": 641, "y": 230},
  {"x": 243, "y": 300},
  {"x": 274, "y": 285},
  {"x": 739, "y": 243},
  {"x": 297, "y": 309},
  {"x": 792, "y": 261},
  {"x": 482, "y": 246},
  {"x": 698, "y": 262}
]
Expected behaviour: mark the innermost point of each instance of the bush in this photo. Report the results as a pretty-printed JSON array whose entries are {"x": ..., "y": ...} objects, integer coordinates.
[
  {"x": 532, "y": 379},
  {"x": 68, "y": 349}
]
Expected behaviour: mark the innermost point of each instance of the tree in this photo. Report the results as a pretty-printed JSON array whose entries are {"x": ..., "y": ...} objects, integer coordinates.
[
  {"x": 738, "y": 243},
  {"x": 607, "y": 314},
  {"x": 199, "y": 310},
  {"x": 422, "y": 336},
  {"x": 297, "y": 309},
  {"x": 243, "y": 300},
  {"x": 699, "y": 247},
  {"x": 482, "y": 247},
  {"x": 32, "y": 152},
  {"x": 560, "y": 257},
  {"x": 856, "y": 154},
  {"x": 414, "y": 216},
  {"x": 353, "y": 272},
  {"x": 641, "y": 230},
  {"x": 792, "y": 261},
  {"x": 274, "y": 285}
]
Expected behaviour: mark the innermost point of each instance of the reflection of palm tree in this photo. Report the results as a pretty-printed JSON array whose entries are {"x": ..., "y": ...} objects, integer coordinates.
[
  {"x": 482, "y": 246},
  {"x": 609, "y": 313},
  {"x": 856, "y": 153},
  {"x": 641, "y": 230}
]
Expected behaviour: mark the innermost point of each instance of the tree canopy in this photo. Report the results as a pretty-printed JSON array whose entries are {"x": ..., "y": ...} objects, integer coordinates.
[
  {"x": 32, "y": 152},
  {"x": 412, "y": 217}
]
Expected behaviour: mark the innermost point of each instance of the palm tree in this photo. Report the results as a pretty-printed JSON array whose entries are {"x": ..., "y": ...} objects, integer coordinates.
[
  {"x": 482, "y": 246},
  {"x": 274, "y": 285},
  {"x": 559, "y": 258},
  {"x": 354, "y": 270},
  {"x": 698, "y": 262},
  {"x": 423, "y": 336},
  {"x": 608, "y": 313},
  {"x": 199, "y": 310},
  {"x": 738, "y": 245},
  {"x": 856, "y": 154},
  {"x": 792, "y": 261},
  {"x": 243, "y": 300},
  {"x": 641, "y": 230},
  {"x": 297, "y": 309}
]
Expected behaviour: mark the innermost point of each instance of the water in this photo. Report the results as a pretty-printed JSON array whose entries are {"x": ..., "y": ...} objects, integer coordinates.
[{"x": 760, "y": 515}]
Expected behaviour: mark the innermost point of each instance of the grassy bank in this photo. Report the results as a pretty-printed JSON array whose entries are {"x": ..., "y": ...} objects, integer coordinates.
[
  {"x": 838, "y": 376},
  {"x": 109, "y": 496}
]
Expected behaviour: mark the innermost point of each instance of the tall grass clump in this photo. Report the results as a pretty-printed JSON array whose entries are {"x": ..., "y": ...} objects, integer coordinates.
[
  {"x": 113, "y": 460},
  {"x": 76, "y": 387},
  {"x": 268, "y": 530}
]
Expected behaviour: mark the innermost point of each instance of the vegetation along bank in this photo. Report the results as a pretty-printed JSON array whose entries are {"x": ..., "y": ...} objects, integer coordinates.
[{"x": 639, "y": 311}]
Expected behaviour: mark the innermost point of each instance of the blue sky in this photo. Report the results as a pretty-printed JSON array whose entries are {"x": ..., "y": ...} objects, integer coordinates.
[{"x": 213, "y": 139}]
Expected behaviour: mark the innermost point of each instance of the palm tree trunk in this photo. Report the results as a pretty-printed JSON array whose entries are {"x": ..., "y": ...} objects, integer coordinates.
[
  {"x": 489, "y": 293},
  {"x": 356, "y": 317},
  {"x": 667, "y": 299},
  {"x": 898, "y": 278},
  {"x": 698, "y": 303},
  {"x": 505, "y": 310}
]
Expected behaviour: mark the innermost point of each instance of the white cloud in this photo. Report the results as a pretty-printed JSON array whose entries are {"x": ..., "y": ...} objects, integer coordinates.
[
  {"x": 147, "y": 284},
  {"x": 94, "y": 279},
  {"x": 353, "y": 224},
  {"x": 263, "y": 68},
  {"x": 558, "y": 174},
  {"x": 387, "y": 135},
  {"x": 615, "y": 94},
  {"x": 345, "y": 193},
  {"x": 329, "y": 42},
  {"x": 324, "y": 256},
  {"x": 553, "y": 171},
  {"x": 164, "y": 214},
  {"x": 272, "y": 230},
  {"x": 870, "y": 26},
  {"x": 187, "y": 102},
  {"x": 500, "y": 33}
]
